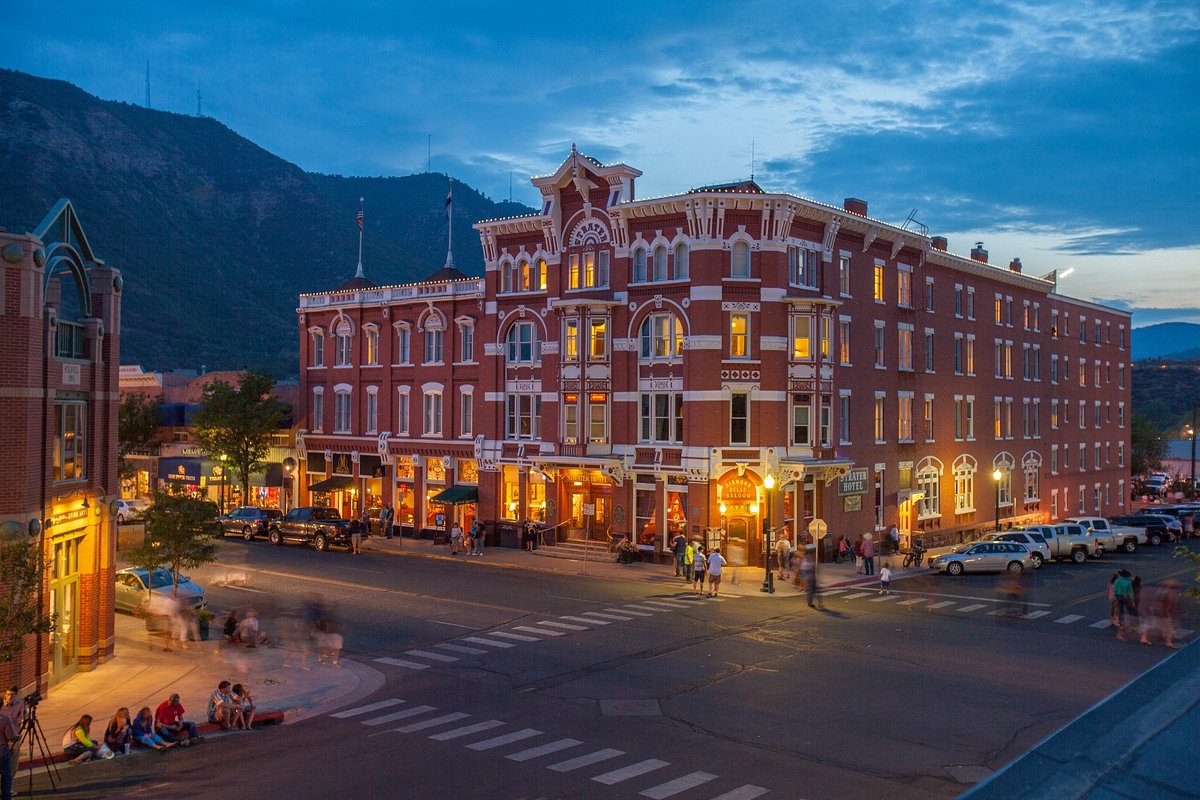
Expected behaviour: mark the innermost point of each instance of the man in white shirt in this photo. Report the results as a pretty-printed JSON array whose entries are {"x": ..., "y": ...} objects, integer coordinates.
[{"x": 716, "y": 563}]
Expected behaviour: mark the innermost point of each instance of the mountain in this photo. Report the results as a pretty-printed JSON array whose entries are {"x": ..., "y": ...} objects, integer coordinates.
[
  {"x": 214, "y": 235},
  {"x": 1179, "y": 341}
]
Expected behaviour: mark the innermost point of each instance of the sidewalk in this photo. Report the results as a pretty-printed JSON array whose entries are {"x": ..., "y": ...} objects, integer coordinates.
[{"x": 141, "y": 674}]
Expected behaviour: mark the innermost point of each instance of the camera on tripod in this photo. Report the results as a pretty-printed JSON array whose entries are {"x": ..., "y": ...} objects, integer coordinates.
[{"x": 32, "y": 699}]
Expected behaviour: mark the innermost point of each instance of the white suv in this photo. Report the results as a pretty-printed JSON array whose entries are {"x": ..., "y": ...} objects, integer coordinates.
[{"x": 130, "y": 510}]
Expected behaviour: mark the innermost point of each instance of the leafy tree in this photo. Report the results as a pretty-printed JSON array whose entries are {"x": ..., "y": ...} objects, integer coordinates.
[
  {"x": 180, "y": 534},
  {"x": 1146, "y": 445},
  {"x": 238, "y": 422},
  {"x": 137, "y": 425},
  {"x": 1187, "y": 553},
  {"x": 21, "y": 564}
]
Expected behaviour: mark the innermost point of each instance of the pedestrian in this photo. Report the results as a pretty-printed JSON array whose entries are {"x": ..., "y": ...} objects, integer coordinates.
[
  {"x": 699, "y": 567},
  {"x": 456, "y": 538},
  {"x": 1189, "y": 525},
  {"x": 716, "y": 564},
  {"x": 531, "y": 533},
  {"x": 893, "y": 539},
  {"x": 365, "y": 519},
  {"x": 469, "y": 540},
  {"x": 688, "y": 554},
  {"x": 17, "y": 712},
  {"x": 844, "y": 551},
  {"x": 858, "y": 556},
  {"x": 9, "y": 738},
  {"x": 679, "y": 548},
  {"x": 885, "y": 580},
  {"x": 1122, "y": 589},
  {"x": 1164, "y": 609},
  {"x": 1114, "y": 614},
  {"x": 385, "y": 520},
  {"x": 868, "y": 552},
  {"x": 808, "y": 574},
  {"x": 783, "y": 552},
  {"x": 356, "y": 534},
  {"x": 478, "y": 537}
]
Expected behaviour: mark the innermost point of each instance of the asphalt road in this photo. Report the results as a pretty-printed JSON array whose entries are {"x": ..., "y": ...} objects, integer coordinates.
[{"x": 647, "y": 692}]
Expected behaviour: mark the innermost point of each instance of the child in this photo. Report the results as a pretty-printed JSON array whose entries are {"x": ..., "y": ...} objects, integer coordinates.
[{"x": 885, "y": 580}]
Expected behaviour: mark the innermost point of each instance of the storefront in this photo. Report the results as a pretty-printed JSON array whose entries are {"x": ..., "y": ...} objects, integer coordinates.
[
  {"x": 738, "y": 497},
  {"x": 404, "y": 502}
]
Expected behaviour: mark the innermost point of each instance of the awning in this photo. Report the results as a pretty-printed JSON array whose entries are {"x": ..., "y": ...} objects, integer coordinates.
[
  {"x": 337, "y": 483},
  {"x": 456, "y": 495}
]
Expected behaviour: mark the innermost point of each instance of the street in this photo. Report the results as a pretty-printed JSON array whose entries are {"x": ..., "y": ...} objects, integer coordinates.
[{"x": 504, "y": 682}]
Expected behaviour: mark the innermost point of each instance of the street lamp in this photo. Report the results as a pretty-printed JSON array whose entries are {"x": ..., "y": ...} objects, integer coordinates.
[
  {"x": 723, "y": 509},
  {"x": 224, "y": 481},
  {"x": 289, "y": 466},
  {"x": 996, "y": 476},
  {"x": 769, "y": 578},
  {"x": 1192, "y": 433}
]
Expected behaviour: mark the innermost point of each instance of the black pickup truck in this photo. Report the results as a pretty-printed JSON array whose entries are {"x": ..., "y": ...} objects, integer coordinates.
[{"x": 312, "y": 525}]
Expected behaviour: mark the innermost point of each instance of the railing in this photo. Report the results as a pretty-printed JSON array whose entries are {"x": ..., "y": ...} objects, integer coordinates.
[{"x": 391, "y": 294}]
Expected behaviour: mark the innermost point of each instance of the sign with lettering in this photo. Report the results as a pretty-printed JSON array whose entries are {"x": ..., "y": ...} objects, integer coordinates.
[
  {"x": 853, "y": 482},
  {"x": 71, "y": 375},
  {"x": 852, "y": 503},
  {"x": 737, "y": 488}
]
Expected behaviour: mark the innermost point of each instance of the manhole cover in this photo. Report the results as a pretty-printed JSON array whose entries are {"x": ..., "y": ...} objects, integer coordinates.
[
  {"x": 272, "y": 682},
  {"x": 630, "y": 708},
  {"x": 968, "y": 774}
]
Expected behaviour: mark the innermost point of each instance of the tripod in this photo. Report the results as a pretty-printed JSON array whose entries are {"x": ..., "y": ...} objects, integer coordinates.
[{"x": 32, "y": 733}]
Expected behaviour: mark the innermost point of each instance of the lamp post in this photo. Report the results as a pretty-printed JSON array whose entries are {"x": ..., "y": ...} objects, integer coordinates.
[
  {"x": 723, "y": 509},
  {"x": 996, "y": 476},
  {"x": 1192, "y": 433},
  {"x": 289, "y": 466},
  {"x": 768, "y": 585},
  {"x": 224, "y": 482}
]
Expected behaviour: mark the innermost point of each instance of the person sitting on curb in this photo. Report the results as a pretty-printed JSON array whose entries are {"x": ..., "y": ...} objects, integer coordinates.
[
  {"x": 147, "y": 734},
  {"x": 169, "y": 717},
  {"x": 242, "y": 697},
  {"x": 248, "y": 630},
  {"x": 222, "y": 710},
  {"x": 119, "y": 734},
  {"x": 77, "y": 741},
  {"x": 230, "y": 628}
]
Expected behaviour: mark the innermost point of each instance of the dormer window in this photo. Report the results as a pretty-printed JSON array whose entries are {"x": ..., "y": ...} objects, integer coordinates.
[{"x": 614, "y": 196}]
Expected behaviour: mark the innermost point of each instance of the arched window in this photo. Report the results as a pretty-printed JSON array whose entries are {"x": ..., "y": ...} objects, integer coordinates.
[
  {"x": 527, "y": 282},
  {"x": 341, "y": 408},
  {"x": 929, "y": 477},
  {"x": 660, "y": 263},
  {"x": 1003, "y": 463},
  {"x": 682, "y": 268},
  {"x": 508, "y": 277},
  {"x": 740, "y": 260},
  {"x": 1031, "y": 463},
  {"x": 964, "y": 484},
  {"x": 344, "y": 343},
  {"x": 433, "y": 346},
  {"x": 522, "y": 343},
  {"x": 662, "y": 337},
  {"x": 639, "y": 265},
  {"x": 539, "y": 275}
]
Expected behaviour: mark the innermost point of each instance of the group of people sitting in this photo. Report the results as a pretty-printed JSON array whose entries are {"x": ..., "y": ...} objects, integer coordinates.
[
  {"x": 244, "y": 631},
  {"x": 161, "y": 730},
  {"x": 231, "y": 706}
]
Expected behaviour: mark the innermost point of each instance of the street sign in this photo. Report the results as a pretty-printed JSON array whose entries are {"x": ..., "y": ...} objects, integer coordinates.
[
  {"x": 589, "y": 509},
  {"x": 853, "y": 482},
  {"x": 818, "y": 528}
]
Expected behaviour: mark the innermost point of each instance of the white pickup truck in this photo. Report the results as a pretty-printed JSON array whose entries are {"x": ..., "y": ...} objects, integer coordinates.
[
  {"x": 1112, "y": 537},
  {"x": 1069, "y": 541}
]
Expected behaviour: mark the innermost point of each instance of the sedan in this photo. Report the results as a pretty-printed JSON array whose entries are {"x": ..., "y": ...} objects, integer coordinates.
[
  {"x": 130, "y": 510},
  {"x": 247, "y": 521},
  {"x": 1039, "y": 551},
  {"x": 983, "y": 557},
  {"x": 152, "y": 590},
  {"x": 1158, "y": 526}
]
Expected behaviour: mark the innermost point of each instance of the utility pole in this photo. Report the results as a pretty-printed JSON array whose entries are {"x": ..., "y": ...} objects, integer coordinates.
[
  {"x": 199, "y": 111},
  {"x": 1192, "y": 486},
  {"x": 147, "y": 83}
]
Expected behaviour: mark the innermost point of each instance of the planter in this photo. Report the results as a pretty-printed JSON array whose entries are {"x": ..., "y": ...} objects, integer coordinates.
[
  {"x": 202, "y": 628},
  {"x": 626, "y": 558}
]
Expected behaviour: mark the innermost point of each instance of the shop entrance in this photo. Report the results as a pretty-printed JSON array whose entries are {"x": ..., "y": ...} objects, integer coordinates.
[
  {"x": 584, "y": 495},
  {"x": 64, "y": 605},
  {"x": 737, "y": 541}
]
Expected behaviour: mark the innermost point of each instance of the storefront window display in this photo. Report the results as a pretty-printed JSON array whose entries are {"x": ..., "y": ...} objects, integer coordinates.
[
  {"x": 436, "y": 514},
  {"x": 676, "y": 511},
  {"x": 468, "y": 471},
  {"x": 404, "y": 504},
  {"x": 537, "y": 496},
  {"x": 646, "y": 524},
  {"x": 511, "y": 480}
]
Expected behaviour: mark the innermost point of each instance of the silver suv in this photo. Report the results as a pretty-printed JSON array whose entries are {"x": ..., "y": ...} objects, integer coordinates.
[
  {"x": 983, "y": 557},
  {"x": 1035, "y": 543}
]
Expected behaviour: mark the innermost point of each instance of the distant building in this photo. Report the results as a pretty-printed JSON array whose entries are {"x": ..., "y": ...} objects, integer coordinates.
[
  {"x": 60, "y": 317},
  {"x": 638, "y": 367}
]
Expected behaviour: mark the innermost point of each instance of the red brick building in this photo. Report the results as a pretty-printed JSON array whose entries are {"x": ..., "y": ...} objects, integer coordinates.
[
  {"x": 631, "y": 365},
  {"x": 60, "y": 314}
]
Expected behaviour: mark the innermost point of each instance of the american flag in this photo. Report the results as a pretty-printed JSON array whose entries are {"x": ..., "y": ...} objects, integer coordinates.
[
  {"x": 449, "y": 198},
  {"x": 360, "y": 225}
]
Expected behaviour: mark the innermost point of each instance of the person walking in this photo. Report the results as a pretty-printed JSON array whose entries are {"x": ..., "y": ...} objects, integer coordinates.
[
  {"x": 885, "y": 580},
  {"x": 356, "y": 535},
  {"x": 699, "y": 567},
  {"x": 808, "y": 574},
  {"x": 9, "y": 739},
  {"x": 477, "y": 537},
  {"x": 385, "y": 520},
  {"x": 858, "y": 556},
  {"x": 1165, "y": 608},
  {"x": 868, "y": 552},
  {"x": 17, "y": 712},
  {"x": 783, "y": 553},
  {"x": 716, "y": 565},
  {"x": 365, "y": 519},
  {"x": 456, "y": 538},
  {"x": 679, "y": 548},
  {"x": 893, "y": 539},
  {"x": 1122, "y": 589}
]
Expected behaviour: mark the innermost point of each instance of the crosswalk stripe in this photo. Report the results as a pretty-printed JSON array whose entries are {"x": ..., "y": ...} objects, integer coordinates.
[
  {"x": 746, "y": 792},
  {"x": 412, "y": 712},
  {"x": 857, "y": 595},
  {"x": 669, "y": 601},
  {"x": 427, "y": 654},
  {"x": 354, "y": 712},
  {"x": 690, "y": 781},
  {"x": 489, "y": 642},
  {"x": 883, "y": 598},
  {"x": 478, "y": 727},
  {"x": 972, "y": 607},
  {"x": 587, "y": 620},
  {"x": 1037, "y": 614},
  {"x": 912, "y": 602},
  {"x": 606, "y": 616},
  {"x": 586, "y": 761},
  {"x": 458, "y": 648},
  {"x": 544, "y": 750},
  {"x": 647, "y": 608},
  {"x": 433, "y": 723},
  {"x": 832, "y": 591},
  {"x": 400, "y": 662},
  {"x": 942, "y": 604},
  {"x": 516, "y": 636},
  {"x": 661, "y": 605},
  {"x": 539, "y": 631},
  {"x": 1001, "y": 612},
  {"x": 632, "y": 771},
  {"x": 1104, "y": 623},
  {"x": 563, "y": 625},
  {"x": 508, "y": 738},
  {"x": 1069, "y": 618},
  {"x": 630, "y": 613}
]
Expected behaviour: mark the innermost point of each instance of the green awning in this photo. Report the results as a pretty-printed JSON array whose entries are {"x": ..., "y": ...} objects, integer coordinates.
[
  {"x": 338, "y": 483},
  {"x": 456, "y": 495}
]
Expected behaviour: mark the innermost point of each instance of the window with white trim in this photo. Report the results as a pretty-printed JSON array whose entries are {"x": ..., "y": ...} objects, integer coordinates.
[
  {"x": 880, "y": 418},
  {"x": 904, "y": 353},
  {"x": 879, "y": 353},
  {"x": 964, "y": 468},
  {"x": 929, "y": 479},
  {"x": 1004, "y": 463},
  {"x": 660, "y": 263},
  {"x": 877, "y": 287},
  {"x": 371, "y": 340},
  {"x": 682, "y": 262},
  {"x": 739, "y": 418},
  {"x": 571, "y": 348},
  {"x": 844, "y": 417},
  {"x": 341, "y": 410},
  {"x": 570, "y": 417},
  {"x": 317, "y": 349},
  {"x": 598, "y": 338},
  {"x": 522, "y": 345},
  {"x": 662, "y": 337},
  {"x": 317, "y": 412},
  {"x": 844, "y": 341},
  {"x": 70, "y": 440},
  {"x": 802, "y": 420},
  {"x": 803, "y": 266},
  {"x": 402, "y": 410},
  {"x": 466, "y": 413},
  {"x": 343, "y": 345},
  {"x": 597, "y": 417},
  {"x": 403, "y": 343},
  {"x": 523, "y": 413},
  {"x": 739, "y": 334},
  {"x": 433, "y": 346},
  {"x": 466, "y": 338},
  {"x": 739, "y": 260},
  {"x": 904, "y": 417},
  {"x": 904, "y": 298},
  {"x": 1032, "y": 466},
  {"x": 661, "y": 417},
  {"x": 432, "y": 416},
  {"x": 802, "y": 349},
  {"x": 844, "y": 276},
  {"x": 372, "y": 409},
  {"x": 640, "y": 272}
]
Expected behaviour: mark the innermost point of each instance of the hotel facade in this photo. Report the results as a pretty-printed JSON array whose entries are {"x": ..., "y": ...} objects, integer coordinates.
[{"x": 714, "y": 363}]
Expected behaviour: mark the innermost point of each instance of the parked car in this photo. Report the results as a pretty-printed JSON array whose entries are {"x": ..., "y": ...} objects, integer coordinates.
[
  {"x": 1159, "y": 527},
  {"x": 131, "y": 510},
  {"x": 1156, "y": 484},
  {"x": 983, "y": 557},
  {"x": 1112, "y": 537},
  {"x": 248, "y": 521},
  {"x": 313, "y": 525},
  {"x": 141, "y": 589},
  {"x": 1069, "y": 541},
  {"x": 1034, "y": 542}
]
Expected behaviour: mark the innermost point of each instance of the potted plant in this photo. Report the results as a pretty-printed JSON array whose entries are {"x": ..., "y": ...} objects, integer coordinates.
[
  {"x": 627, "y": 551},
  {"x": 203, "y": 618}
]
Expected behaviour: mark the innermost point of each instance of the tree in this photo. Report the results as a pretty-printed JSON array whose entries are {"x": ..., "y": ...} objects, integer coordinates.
[
  {"x": 238, "y": 422},
  {"x": 138, "y": 422},
  {"x": 180, "y": 534},
  {"x": 21, "y": 565},
  {"x": 1184, "y": 552},
  {"x": 1146, "y": 445}
]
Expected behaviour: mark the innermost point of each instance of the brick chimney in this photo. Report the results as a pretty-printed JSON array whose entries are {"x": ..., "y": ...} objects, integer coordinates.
[
  {"x": 939, "y": 243},
  {"x": 855, "y": 206},
  {"x": 1015, "y": 265},
  {"x": 978, "y": 253}
]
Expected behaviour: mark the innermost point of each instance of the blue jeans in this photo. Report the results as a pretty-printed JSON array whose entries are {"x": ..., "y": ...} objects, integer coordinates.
[
  {"x": 6, "y": 776},
  {"x": 679, "y": 563},
  {"x": 869, "y": 565}
]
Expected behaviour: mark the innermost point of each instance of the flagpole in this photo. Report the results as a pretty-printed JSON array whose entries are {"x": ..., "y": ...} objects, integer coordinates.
[
  {"x": 359, "y": 272},
  {"x": 449, "y": 225}
]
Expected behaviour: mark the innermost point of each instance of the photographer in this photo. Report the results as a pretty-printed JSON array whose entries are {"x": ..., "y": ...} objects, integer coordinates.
[{"x": 17, "y": 713}]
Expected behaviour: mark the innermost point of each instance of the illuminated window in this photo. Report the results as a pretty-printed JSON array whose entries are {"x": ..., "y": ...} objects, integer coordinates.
[{"x": 739, "y": 329}]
